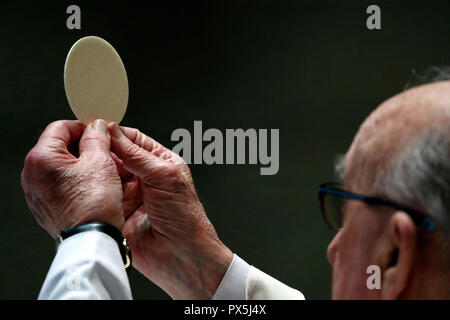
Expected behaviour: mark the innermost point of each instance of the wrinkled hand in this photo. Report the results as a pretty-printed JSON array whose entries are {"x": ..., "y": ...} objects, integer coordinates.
[
  {"x": 63, "y": 190},
  {"x": 172, "y": 241}
]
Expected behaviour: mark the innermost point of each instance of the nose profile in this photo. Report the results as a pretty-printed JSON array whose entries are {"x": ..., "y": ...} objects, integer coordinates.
[{"x": 332, "y": 248}]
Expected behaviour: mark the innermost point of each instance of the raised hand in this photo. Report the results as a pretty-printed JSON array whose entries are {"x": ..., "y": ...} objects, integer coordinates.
[{"x": 172, "y": 240}]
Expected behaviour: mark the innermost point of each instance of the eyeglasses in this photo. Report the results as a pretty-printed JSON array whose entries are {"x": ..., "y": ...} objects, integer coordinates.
[{"x": 332, "y": 198}]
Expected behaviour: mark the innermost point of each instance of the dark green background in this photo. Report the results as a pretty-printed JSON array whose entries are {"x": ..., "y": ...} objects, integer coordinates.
[{"x": 312, "y": 70}]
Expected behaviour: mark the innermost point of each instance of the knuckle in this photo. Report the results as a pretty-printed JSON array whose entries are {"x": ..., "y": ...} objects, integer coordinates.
[
  {"x": 57, "y": 124},
  {"x": 182, "y": 162},
  {"x": 34, "y": 161},
  {"x": 39, "y": 169},
  {"x": 132, "y": 151},
  {"x": 172, "y": 171},
  {"x": 146, "y": 142},
  {"x": 95, "y": 142},
  {"x": 166, "y": 155},
  {"x": 176, "y": 177},
  {"x": 139, "y": 137}
]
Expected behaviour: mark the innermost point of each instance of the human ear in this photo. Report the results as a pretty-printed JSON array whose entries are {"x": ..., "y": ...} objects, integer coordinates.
[{"x": 402, "y": 252}]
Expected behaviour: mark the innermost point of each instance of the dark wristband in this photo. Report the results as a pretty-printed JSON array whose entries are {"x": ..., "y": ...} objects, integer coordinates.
[{"x": 108, "y": 229}]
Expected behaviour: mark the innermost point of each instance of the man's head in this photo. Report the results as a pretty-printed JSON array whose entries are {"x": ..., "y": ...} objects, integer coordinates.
[{"x": 402, "y": 153}]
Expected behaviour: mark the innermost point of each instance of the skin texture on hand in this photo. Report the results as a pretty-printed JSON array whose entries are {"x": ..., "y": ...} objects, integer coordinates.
[
  {"x": 63, "y": 190},
  {"x": 172, "y": 240}
]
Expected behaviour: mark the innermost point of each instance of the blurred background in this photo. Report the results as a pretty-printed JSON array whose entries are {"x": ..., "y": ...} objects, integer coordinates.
[{"x": 312, "y": 70}]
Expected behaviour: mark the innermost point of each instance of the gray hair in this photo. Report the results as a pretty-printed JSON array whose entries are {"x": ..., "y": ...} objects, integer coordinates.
[
  {"x": 420, "y": 177},
  {"x": 430, "y": 75},
  {"x": 339, "y": 166}
]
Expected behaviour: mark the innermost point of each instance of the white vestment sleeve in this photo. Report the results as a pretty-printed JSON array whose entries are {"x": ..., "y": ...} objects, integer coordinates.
[
  {"x": 261, "y": 286},
  {"x": 245, "y": 282},
  {"x": 88, "y": 265},
  {"x": 232, "y": 286}
]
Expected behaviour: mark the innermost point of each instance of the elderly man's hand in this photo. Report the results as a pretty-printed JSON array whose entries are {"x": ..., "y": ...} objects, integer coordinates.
[
  {"x": 173, "y": 242},
  {"x": 64, "y": 190}
]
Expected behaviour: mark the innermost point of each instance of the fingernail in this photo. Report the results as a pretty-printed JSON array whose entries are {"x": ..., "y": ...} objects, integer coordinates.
[
  {"x": 100, "y": 125},
  {"x": 115, "y": 131}
]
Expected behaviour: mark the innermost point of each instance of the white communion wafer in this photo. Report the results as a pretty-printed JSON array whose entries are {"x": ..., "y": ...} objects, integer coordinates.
[{"x": 95, "y": 81}]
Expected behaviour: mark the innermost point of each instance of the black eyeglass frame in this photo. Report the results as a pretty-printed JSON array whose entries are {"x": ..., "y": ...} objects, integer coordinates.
[{"x": 331, "y": 188}]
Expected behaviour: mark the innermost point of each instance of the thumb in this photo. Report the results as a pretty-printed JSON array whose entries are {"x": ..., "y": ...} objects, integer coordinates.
[{"x": 95, "y": 139}]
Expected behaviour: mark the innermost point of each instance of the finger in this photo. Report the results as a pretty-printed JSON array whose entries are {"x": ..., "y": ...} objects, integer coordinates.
[
  {"x": 95, "y": 139},
  {"x": 153, "y": 171},
  {"x": 117, "y": 161},
  {"x": 52, "y": 150},
  {"x": 60, "y": 134},
  {"x": 132, "y": 196},
  {"x": 142, "y": 140},
  {"x": 123, "y": 174}
]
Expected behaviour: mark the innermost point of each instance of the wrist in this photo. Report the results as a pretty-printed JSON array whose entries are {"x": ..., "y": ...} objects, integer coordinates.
[
  {"x": 113, "y": 217},
  {"x": 222, "y": 257},
  {"x": 210, "y": 264},
  {"x": 115, "y": 220},
  {"x": 198, "y": 274}
]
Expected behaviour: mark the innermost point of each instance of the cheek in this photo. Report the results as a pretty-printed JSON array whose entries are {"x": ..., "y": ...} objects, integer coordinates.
[{"x": 353, "y": 255}]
